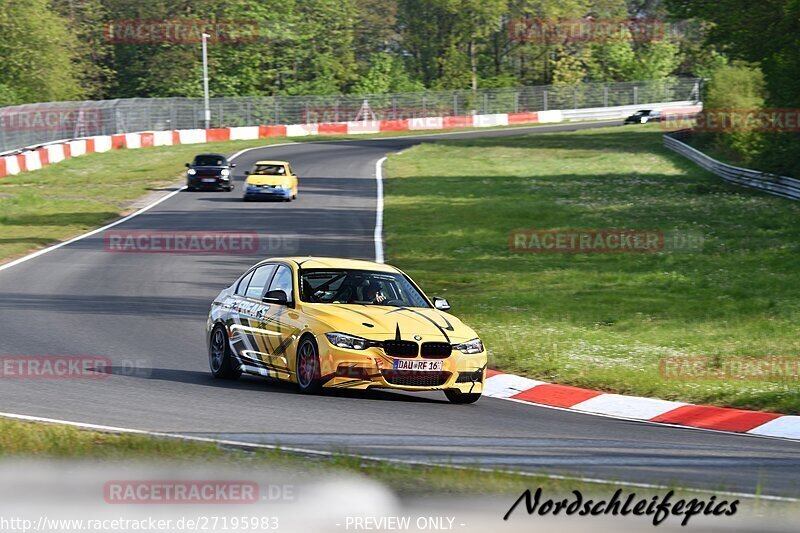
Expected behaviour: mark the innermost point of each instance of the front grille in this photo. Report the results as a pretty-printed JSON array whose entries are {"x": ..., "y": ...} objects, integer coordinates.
[
  {"x": 436, "y": 349},
  {"x": 409, "y": 378},
  {"x": 470, "y": 377},
  {"x": 400, "y": 348}
]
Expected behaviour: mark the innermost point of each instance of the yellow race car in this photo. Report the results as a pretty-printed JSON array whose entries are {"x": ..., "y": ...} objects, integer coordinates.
[
  {"x": 270, "y": 180},
  {"x": 342, "y": 323}
]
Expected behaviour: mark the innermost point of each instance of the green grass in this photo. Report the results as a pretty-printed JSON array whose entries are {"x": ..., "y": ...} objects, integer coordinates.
[{"x": 602, "y": 321}]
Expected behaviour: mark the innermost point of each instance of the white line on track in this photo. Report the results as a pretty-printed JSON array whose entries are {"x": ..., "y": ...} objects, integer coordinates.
[
  {"x": 378, "y": 237},
  {"x": 89, "y": 234},
  {"x": 322, "y": 453}
]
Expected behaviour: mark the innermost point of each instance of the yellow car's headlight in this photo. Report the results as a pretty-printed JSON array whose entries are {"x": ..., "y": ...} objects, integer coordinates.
[
  {"x": 473, "y": 346},
  {"x": 342, "y": 340}
]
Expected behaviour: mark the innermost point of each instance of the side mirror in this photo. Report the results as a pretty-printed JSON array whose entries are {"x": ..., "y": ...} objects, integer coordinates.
[
  {"x": 276, "y": 297},
  {"x": 246, "y": 172},
  {"x": 188, "y": 165},
  {"x": 441, "y": 304}
]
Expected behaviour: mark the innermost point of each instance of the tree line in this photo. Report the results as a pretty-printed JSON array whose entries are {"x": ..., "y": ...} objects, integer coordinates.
[{"x": 82, "y": 49}]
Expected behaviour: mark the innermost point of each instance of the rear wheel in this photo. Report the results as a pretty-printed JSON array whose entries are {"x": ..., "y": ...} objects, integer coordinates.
[
  {"x": 308, "y": 368},
  {"x": 220, "y": 358},
  {"x": 456, "y": 396}
]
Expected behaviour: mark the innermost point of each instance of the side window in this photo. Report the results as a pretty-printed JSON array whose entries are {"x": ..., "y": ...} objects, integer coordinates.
[
  {"x": 261, "y": 276},
  {"x": 282, "y": 281},
  {"x": 241, "y": 287}
]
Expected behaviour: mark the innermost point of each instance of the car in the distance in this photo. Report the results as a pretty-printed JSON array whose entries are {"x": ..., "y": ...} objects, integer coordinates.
[
  {"x": 270, "y": 180},
  {"x": 643, "y": 116},
  {"x": 210, "y": 171},
  {"x": 342, "y": 324}
]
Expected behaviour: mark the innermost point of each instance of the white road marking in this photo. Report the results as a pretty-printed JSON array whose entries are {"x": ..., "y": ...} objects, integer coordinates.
[
  {"x": 322, "y": 453},
  {"x": 378, "y": 236}
]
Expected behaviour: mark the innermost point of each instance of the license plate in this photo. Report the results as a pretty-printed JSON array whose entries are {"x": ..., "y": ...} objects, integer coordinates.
[
  {"x": 208, "y": 180},
  {"x": 418, "y": 366}
]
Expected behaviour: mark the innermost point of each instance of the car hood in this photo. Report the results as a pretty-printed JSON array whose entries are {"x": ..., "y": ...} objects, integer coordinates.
[
  {"x": 387, "y": 322},
  {"x": 268, "y": 180},
  {"x": 209, "y": 169}
]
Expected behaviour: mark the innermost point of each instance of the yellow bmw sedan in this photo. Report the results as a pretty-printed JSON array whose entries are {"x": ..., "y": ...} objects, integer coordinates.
[{"x": 342, "y": 323}]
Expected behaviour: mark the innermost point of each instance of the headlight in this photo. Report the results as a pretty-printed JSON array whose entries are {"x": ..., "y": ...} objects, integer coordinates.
[
  {"x": 347, "y": 341},
  {"x": 473, "y": 346},
  {"x": 225, "y": 172},
  {"x": 191, "y": 172}
]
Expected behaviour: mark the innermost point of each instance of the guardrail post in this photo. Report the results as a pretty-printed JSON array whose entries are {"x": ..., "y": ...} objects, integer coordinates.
[
  {"x": 544, "y": 99},
  {"x": 635, "y": 95},
  {"x": 516, "y": 101},
  {"x": 424, "y": 106},
  {"x": 605, "y": 95},
  {"x": 485, "y": 103},
  {"x": 455, "y": 103}
]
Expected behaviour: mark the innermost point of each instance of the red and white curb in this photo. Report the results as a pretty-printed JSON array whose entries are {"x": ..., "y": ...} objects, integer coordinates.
[{"x": 521, "y": 389}]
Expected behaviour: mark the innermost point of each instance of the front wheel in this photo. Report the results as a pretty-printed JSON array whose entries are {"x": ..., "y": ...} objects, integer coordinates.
[
  {"x": 458, "y": 397},
  {"x": 220, "y": 358},
  {"x": 308, "y": 368}
]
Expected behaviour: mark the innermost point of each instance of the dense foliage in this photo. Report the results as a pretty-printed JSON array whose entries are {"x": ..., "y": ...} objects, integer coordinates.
[
  {"x": 764, "y": 39},
  {"x": 60, "y": 49}
]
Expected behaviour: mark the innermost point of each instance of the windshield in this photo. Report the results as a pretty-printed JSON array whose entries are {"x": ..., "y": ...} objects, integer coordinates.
[
  {"x": 210, "y": 161},
  {"x": 359, "y": 287},
  {"x": 269, "y": 170}
]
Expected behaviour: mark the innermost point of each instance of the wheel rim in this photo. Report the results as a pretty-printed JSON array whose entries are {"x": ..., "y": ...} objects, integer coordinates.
[
  {"x": 217, "y": 349},
  {"x": 306, "y": 364}
]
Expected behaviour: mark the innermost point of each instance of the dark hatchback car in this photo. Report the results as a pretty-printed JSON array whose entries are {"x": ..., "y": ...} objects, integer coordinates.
[
  {"x": 643, "y": 116},
  {"x": 209, "y": 171}
]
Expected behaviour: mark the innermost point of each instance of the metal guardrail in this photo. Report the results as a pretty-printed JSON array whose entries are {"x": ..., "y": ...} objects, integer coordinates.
[
  {"x": 35, "y": 124},
  {"x": 770, "y": 183}
]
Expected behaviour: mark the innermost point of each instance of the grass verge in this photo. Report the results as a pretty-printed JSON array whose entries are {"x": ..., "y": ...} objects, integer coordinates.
[
  {"x": 603, "y": 321},
  {"x": 27, "y": 439}
]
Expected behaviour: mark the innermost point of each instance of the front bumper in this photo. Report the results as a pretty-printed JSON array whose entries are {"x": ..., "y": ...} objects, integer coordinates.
[
  {"x": 208, "y": 182},
  {"x": 267, "y": 192},
  {"x": 372, "y": 368}
]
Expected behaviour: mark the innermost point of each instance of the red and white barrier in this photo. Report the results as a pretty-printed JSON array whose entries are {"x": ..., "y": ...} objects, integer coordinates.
[
  {"x": 520, "y": 389},
  {"x": 33, "y": 159}
]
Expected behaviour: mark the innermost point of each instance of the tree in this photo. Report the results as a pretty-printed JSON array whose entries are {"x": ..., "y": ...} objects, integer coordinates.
[{"x": 40, "y": 59}]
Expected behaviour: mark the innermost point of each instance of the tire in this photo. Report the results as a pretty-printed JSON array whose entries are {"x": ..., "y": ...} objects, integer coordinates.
[
  {"x": 245, "y": 198},
  {"x": 229, "y": 188},
  {"x": 458, "y": 397},
  {"x": 190, "y": 188},
  {"x": 220, "y": 358},
  {"x": 307, "y": 368}
]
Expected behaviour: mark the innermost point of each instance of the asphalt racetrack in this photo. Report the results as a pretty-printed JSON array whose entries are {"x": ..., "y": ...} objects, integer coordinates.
[{"x": 148, "y": 311}]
